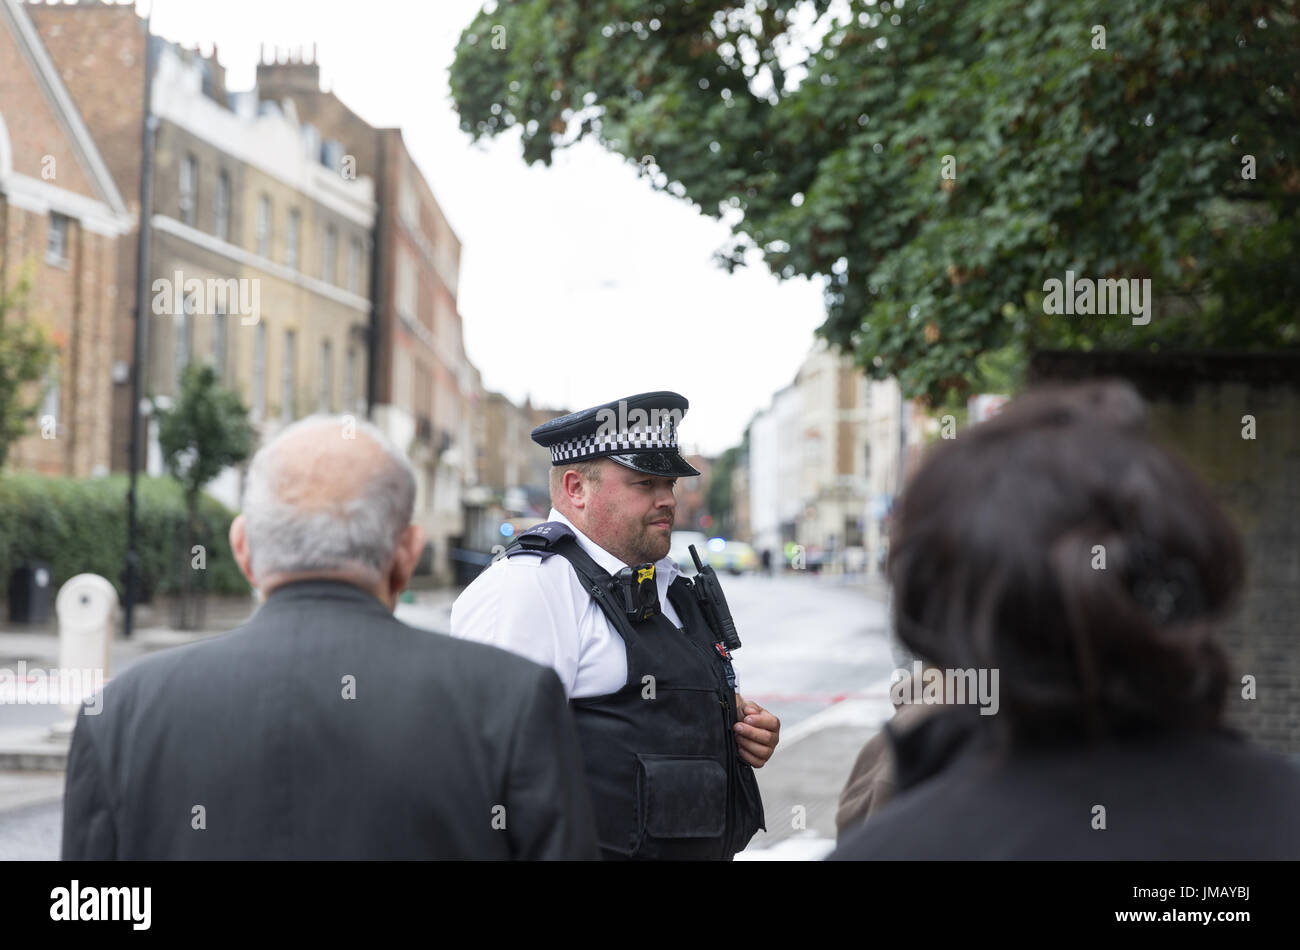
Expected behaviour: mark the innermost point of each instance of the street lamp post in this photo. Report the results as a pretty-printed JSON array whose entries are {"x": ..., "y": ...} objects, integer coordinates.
[{"x": 132, "y": 579}]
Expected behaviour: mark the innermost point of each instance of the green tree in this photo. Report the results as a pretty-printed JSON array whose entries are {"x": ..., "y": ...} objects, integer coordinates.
[
  {"x": 203, "y": 433},
  {"x": 719, "y": 500},
  {"x": 936, "y": 163},
  {"x": 26, "y": 355}
]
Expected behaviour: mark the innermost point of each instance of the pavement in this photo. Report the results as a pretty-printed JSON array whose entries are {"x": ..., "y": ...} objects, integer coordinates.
[
  {"x": 816, "y": 652},
  {"x": 801, "y": 784}
]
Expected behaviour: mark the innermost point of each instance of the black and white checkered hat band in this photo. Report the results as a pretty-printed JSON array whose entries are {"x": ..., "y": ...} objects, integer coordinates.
[{"x": 634, "y": 440}]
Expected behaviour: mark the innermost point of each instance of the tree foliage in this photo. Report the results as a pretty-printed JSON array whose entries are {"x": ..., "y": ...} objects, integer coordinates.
[
  {"x": 719, "y": 499},
  {"x": 206, "y": 431},
  {"x": 818, "y": 130},
  {"x": 26, "y": 354},
  {"x": 76, "y": 526}
]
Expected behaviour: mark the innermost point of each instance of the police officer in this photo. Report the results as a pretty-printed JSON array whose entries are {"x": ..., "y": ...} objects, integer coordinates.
[{"x": 668, "y": 744}]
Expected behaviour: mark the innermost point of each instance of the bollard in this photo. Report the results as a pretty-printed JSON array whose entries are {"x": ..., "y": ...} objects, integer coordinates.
[{"x": 86, "y": 607}]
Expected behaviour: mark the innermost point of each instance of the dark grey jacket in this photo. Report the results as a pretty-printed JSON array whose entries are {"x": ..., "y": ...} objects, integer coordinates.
[{"x": 246, "y": 745}]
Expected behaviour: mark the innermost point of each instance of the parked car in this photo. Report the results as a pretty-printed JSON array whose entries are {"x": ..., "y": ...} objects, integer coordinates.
[{"x": 736, "y": 557}]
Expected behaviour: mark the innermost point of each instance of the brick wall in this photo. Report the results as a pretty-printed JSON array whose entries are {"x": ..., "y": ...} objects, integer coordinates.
[
  {"x": 74, "y": 297},
  {"x": 99, "y": 51},
  {"x": 1196, "y": 403}
]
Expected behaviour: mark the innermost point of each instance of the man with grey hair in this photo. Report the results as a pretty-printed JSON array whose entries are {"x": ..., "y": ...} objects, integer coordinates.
[{"x": 324, "y": 727}]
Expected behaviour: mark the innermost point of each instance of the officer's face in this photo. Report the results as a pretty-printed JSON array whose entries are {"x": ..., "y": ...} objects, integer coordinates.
[{"x": 631, "y": 514}]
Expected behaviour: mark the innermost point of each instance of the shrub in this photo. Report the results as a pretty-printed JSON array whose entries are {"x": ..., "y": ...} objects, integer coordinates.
[{"x": 79, "y": 526}]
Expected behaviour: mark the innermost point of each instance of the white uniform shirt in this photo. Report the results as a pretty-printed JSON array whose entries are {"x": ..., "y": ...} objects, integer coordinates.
[{"x": 539, "y": 609}]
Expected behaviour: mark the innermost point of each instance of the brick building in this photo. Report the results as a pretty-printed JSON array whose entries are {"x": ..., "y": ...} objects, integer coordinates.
[
  {"x": 424, "y": 389},
  {"x": 61, "y": 220},
  {"x": 103, "y": 70},
  {"x": 260, "y": 236},
  {"x": 514, "y": 468},
  {"x": 244, "y": 190}
]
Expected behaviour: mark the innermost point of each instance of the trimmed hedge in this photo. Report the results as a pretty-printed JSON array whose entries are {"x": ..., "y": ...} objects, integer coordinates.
[{"x": 79, "y": 526}]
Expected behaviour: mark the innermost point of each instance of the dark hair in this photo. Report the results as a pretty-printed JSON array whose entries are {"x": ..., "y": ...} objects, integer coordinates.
[{"x": 996, "y": 562}]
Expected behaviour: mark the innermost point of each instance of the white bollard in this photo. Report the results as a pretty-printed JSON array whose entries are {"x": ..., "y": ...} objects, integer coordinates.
[{"x": 86, "y": 606}]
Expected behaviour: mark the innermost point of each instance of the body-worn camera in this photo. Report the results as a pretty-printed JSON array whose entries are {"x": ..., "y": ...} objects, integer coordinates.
[{"x": 636, "y": 592}]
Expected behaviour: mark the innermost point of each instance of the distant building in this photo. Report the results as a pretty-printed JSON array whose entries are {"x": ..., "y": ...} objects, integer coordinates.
[
  {"x": 826, "y": 461},
  {"x": 833, "y": 434},
  {"x": 692, "y": 497},
  {"x": 892, "y": 424},
  {"x": 99, "y": 52},
  {"x": 260, "y": 245},
  {"x": 296, "y": 233},
  {"x": 516, "y": 470},
  {"x": 775, "y": 463},
  {"x": 424, "y": 389},
  {"x": 740, "y": 509},
  {"x": 62, "y": 219}
]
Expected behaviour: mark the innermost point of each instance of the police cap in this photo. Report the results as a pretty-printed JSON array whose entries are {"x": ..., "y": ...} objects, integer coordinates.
[{"x": 639, "y": 432}]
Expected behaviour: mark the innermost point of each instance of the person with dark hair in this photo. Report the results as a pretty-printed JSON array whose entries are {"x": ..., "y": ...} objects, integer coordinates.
[{"x": 1058, "y": 548}]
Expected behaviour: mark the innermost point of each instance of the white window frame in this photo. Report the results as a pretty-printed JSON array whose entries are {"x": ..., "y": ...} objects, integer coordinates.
[{"x": 56, "y": 239}]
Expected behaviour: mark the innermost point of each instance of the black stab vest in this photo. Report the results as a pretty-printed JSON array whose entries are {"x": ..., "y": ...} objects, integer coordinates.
[{"x": 660, "y": 753}]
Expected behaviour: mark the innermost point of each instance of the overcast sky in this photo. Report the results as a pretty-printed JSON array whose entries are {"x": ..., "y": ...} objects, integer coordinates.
[{"x": 579, "y": 283}]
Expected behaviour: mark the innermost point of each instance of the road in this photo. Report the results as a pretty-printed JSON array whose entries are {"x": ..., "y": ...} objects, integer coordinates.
[{"x": 816, "y": 652}]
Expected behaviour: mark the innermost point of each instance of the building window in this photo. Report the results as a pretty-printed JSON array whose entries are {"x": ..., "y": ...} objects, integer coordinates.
[
  {"x": 407, "y": 290},
  {"x": 221, "y": 206},
  {"x": 183, "y": 323},
  {"x": 408, "y": 204},
  {"x": 56, "y": 242},
  {"x": 331, "y": 253},
  {"x": 354, "y": 265},
  {"x": 50, "y": 402},
  {"x": 295, "y": 230},
  {"x": 287, "y": 383},
  {"x": 264, "y": 226},
  {"x": 326, "y": 376},
  {"x": 189, "y": 187},
  {"x": 350, "y": 381},
  {"x": 219, "y": 344}
]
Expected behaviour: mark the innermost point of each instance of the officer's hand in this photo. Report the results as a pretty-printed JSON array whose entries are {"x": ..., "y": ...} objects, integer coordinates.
[{"x": 757, "y": 733}]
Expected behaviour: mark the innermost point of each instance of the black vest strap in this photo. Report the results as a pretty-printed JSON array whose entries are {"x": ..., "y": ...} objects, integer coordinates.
[{"x": 555, "y": 537}]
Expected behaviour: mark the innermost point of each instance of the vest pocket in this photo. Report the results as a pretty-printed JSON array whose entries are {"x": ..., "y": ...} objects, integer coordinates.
[{"x": 679, "y": 796}]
